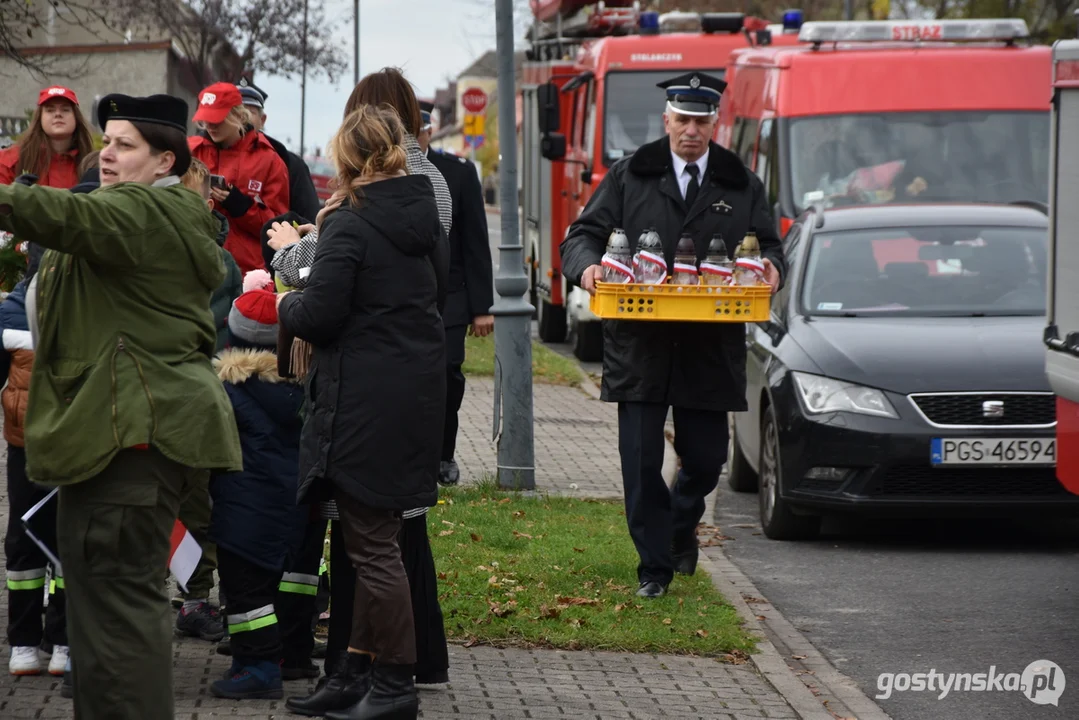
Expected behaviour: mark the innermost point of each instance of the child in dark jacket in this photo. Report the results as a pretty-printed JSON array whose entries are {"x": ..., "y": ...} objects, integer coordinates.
[{"x": 254, "y": 517}]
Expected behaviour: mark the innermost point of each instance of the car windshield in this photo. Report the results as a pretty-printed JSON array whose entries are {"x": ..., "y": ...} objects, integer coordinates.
[
  {"x": 920, "y": 157},
  {"x": 927, "y": 271},
  {"x": 634, "y": 107}
]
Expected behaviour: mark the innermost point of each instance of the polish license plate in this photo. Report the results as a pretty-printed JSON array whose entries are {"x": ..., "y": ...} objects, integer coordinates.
[{"x": 993, "y": 451}]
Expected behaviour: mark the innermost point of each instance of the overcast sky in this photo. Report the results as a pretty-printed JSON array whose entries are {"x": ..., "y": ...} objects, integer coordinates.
[{"x": 430, "y": 40}]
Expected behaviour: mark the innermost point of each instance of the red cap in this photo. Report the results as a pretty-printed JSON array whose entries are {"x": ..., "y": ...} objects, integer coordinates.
[
  {"x": 56, "y": 91},
  {"x": 259, "y": 306},
  {"x": 216, "y": 101}
]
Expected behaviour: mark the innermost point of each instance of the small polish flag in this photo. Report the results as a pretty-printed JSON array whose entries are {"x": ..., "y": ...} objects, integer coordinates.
[{"x": 184, "y": 554}]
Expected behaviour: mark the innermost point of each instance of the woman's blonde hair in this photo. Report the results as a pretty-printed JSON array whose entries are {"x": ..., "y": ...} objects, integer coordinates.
[
  {"x": 238, "y": 119},
  {"x": 367, "y": 145}
]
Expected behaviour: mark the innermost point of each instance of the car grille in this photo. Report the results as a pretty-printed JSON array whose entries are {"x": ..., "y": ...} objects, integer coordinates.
[
  {"x": 959, "y": 409},
  {"x": 1016, "y": 482}
]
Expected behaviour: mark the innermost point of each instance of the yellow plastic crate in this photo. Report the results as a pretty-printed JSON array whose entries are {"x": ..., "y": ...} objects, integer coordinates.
[{"x": 696, "y": 303}]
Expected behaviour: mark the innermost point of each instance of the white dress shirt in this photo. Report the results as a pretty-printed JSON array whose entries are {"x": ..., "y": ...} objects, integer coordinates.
[{"x": 683, "y": 177}]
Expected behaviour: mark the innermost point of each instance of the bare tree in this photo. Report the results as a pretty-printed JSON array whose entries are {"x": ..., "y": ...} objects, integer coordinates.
[{"x": 267, "y": 35}]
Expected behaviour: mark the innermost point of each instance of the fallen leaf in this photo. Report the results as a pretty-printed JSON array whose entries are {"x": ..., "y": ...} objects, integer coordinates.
[
  {"x": 471, "y": 642},
  {"x": 475, "y": 537},
  {"x": 761, "y": 617},
  {"x": 576, "y": 622},
  {"x": 483, "y": 568},
  {"x": 549, "y": 613},
  {"x": 751, "y": 599},
  {"x": 442, "y": 576},
  {"x": 702, "y": 633},
  {"x": 666, "y": 621},
  {"x": 492, "y": 580},
  {"x": 736, "y": 657},
  {"x": 518, "y": 514},
  {"x": 799, "y": 657},
  {"x": 556, "y": 567},
  {"x": 569, "y": 601},
  {"x": 522, "y": 535},
  {"x": 503, "y": 501},
  {"x": 578, "y": 549},
  {"x": 503, "y": 610},
  {"x": 620, "y": 607},
  {"x": 447, "y": 522},
  {"x": 444, "y": 533},
  {"x": 681, "y": 602},
  {"x": 700, "y": 613}
]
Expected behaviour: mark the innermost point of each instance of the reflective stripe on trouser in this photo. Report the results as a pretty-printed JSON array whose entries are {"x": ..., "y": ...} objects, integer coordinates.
[
  {"x": 57, "y": 580},
  {"x": 253, "y": 620},
  {"x": 299, "y": 584},
  {"x": 26, "y": 579}
]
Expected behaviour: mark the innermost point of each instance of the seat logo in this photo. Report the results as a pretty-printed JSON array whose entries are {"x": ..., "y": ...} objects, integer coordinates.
[{"x": 993, "y": 409}]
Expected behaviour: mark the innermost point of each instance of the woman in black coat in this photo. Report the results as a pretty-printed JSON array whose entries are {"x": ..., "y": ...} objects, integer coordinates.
[{"x": 376, "y": 390}]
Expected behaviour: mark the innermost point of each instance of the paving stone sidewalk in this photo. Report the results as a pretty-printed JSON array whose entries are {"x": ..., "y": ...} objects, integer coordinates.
[{"x": 576, "y": 453}]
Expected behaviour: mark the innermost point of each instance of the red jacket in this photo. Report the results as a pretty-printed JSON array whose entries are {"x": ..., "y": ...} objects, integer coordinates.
[
  {"x": 62, "y": 171},
  {"x": 260, "y": 178}
]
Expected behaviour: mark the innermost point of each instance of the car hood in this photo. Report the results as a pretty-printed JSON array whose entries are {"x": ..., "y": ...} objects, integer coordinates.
[{"x": 907, "y": 355}]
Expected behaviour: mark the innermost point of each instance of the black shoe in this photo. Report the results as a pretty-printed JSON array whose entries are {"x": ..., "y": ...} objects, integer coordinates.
[
  {"x": 434, "y": 677},
  {"x": 318, "y": 652},
  {"x": 347, "y": 687},
  {"x": 299, "y": 670},
  {"x": 448, "y": 473},
  {"x": 392, "y": 697},
  {"x": 685, "y": 562},
  {"x": 203, "y": 622},
  {"x": 224, "y": 646},
  {"x": 651, "y": 589}
]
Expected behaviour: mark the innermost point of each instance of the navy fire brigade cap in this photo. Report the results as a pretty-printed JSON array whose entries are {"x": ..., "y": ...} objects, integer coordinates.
[
  {"x": 694, "y": 93},
  {"x": 251, "y": 93}
]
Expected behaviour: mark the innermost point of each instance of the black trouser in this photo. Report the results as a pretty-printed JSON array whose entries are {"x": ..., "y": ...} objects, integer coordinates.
[
  {"x": 662, "y": 519},
  {"x": 254, "y": 635},
  {"x": 432, "y": 655},
  {"x": 195, "y": 510},
  {"x": 455, "y": 387},
  {"x": 26, "y": 563},
  {"x": 297, "y": 596}
]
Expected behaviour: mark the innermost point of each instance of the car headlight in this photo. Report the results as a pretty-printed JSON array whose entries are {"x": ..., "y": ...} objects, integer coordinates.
[{"x": 823, "y": 394}]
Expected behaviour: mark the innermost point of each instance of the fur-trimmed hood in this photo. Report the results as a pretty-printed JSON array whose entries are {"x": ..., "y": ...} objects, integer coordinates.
[
  {"x": 238, "y": 365},
  {"x": 724, "y": 167}
]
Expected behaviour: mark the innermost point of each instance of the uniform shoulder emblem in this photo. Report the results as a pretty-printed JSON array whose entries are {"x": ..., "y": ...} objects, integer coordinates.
[{"x": 462, "y": 160}]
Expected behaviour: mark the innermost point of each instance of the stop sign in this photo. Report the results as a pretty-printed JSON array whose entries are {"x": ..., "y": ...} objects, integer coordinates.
[{"x": 474, "y": 99}]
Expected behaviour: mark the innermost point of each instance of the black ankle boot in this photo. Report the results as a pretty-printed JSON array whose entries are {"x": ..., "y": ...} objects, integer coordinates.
[
  {"x": 392, "y": 697},
  {"x": 349, "y": 683},
  {"x": 334, "y": 664}
]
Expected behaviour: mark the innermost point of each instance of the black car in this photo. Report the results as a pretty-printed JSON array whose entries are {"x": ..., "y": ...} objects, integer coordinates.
[{"x": 902, "y": 371}]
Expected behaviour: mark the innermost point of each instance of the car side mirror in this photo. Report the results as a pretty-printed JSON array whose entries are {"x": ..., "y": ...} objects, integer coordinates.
[
  {"x": 550, "y": 110},
  {"x": 553, "y": 146}
]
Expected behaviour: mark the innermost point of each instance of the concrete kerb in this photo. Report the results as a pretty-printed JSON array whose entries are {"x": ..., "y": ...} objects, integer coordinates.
[{"x": 768, "y": 661}]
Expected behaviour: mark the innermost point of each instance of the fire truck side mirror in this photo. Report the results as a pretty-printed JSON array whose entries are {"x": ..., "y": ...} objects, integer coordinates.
[
  {"x": 553, "y": 146},
  {"x": 550, "y": 111}
]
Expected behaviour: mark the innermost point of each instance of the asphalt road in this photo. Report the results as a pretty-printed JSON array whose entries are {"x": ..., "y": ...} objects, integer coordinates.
[{"x": 915, "y": 596}]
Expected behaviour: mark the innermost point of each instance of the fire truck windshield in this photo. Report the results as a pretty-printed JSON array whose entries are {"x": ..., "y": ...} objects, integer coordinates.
[
  {"x": 634, "y": 107},
  {"x": 920, "y": 157}
]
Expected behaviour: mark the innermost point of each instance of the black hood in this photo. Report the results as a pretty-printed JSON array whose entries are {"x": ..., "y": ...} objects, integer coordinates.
[
  {"x": 264, "y": 237},
  {"x": 403, "y": 210},
  {"x": 927, "y": 354}
]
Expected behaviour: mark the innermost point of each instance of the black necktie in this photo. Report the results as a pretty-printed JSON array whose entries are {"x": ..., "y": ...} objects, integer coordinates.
[{"x": 694, "y": 186}]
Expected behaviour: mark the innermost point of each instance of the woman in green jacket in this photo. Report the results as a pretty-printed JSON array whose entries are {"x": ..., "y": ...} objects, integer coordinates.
[{"x": 125, "y": 411}]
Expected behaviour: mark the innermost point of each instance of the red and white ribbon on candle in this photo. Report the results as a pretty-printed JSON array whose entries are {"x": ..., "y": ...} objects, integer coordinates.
[
  {"x": 656, "y": 260},
  {"x": 619, "y": 267},
  {"x": 713, "y": 269},
  {"x": 754, "y": 266},
  {"x": 685, "y": 268}
]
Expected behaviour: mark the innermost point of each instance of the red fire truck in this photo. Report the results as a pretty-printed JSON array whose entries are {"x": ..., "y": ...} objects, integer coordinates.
[
  {"x": 881, "y": 111},
  {"x": 588, "y": 98},
  {"x": 1062, "y": 332}
]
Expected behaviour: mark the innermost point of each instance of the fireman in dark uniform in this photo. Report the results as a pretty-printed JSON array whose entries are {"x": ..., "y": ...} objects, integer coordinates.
[{"x": 683, "y": 182}]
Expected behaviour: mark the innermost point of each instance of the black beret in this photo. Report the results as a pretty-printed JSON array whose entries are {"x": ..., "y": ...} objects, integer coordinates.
[{"x": 158, "y": 109}]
